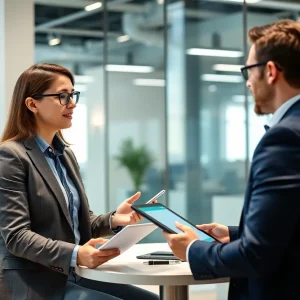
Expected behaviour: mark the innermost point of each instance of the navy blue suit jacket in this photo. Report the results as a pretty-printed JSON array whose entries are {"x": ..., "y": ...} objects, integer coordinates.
[{"x": 263, "y": 257}]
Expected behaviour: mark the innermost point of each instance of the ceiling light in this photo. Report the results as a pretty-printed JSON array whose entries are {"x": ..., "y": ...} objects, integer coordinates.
[
  {"x": 129, "y": 68},
  {"x": 123, "y": 38},
  {"x": 214, "y": 52},
  {"x": 54, "y": 41},
  {"x": 227, "y": 68},
  {"x": 93, "y": 6},
  {"x": 222, "y": 78},
  {"x": 149, "y": 82},
  {"x": 160, "y": 2}
]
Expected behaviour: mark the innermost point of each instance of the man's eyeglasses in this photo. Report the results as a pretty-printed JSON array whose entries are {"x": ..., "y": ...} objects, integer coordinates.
[
  {"x": 245, "y": 70},
  {"x": 64, "y": 98}
]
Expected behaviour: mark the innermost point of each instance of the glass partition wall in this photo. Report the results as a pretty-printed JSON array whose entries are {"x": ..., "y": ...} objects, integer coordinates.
[{"x": 163, "y": 104}]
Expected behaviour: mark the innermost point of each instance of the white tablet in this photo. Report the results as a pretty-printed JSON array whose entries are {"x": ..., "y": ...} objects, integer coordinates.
[{"x": 128, "y": 236}]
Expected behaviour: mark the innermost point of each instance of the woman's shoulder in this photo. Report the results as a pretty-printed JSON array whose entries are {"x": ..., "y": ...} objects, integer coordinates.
[{"x": 12, "y": 146}]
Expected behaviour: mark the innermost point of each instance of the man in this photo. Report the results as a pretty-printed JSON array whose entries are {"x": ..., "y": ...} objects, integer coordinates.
[{"x": 262, "y": 255}]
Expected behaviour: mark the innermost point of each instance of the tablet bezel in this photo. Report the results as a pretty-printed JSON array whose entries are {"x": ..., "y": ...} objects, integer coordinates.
[{"x": 161, "y": 225}]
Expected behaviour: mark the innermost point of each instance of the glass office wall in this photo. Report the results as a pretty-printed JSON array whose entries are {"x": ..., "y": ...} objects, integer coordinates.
[
  {"x": 161, "y": 76},
  {"x": 206, "y": 131},
  {"x": 136, "y": 101},
  {"x": 71, "y": 34}
]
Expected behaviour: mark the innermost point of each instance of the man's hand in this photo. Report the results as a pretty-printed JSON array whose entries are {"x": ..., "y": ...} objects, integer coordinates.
[
  {"x": 124, "y": 214},
  {"x": 180, "y": 241},
  {"x": 91, "y": 257},
  {"x": 218, "y": 231}
]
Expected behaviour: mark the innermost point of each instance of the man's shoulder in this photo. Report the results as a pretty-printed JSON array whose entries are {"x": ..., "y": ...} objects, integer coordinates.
[{"x": 287, "y": 129}]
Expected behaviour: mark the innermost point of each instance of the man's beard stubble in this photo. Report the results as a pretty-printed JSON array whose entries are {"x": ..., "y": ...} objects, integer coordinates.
[{"x": 263, "y": 98}]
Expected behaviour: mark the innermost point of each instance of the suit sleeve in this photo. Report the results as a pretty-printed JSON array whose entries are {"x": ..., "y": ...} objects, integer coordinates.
[
  {"x": 15, "y": 225},
  {"x": 272, "y": 213}
]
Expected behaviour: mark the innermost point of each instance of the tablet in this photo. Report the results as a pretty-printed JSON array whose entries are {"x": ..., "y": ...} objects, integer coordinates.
[
  {"x": 128, "y": 237},
  {"x": 165, "y": 218}
]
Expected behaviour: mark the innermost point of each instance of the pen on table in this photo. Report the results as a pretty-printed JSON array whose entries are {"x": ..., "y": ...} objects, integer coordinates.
[{"x": 161, "y": 262}]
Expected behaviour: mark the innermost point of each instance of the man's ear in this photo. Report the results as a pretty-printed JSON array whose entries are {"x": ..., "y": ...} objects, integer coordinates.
[
  {"x": 30, "y": 103},
  {"x": 272, "y": 72}
]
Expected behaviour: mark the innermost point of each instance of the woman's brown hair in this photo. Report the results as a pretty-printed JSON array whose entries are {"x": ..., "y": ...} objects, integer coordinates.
[
  {"x": 37, "y": 79},
  {"x": 279, "y": 42}
]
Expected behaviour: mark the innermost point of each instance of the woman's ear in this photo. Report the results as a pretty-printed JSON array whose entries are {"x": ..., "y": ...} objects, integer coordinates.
[{"x": 30, "y": 103}]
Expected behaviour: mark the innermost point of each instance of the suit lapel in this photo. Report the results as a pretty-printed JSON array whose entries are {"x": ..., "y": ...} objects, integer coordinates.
[{"x": 41, "y": 164}]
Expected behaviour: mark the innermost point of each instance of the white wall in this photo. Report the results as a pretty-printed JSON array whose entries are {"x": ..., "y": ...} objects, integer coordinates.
[{"x": 16, "y": 47}]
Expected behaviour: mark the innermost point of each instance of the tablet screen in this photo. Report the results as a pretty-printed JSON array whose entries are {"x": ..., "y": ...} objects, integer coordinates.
[{"x": 168, "y": 218}]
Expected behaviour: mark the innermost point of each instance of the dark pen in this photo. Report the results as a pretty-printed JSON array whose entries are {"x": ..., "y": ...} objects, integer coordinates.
[{"x": 161, "y": 262}]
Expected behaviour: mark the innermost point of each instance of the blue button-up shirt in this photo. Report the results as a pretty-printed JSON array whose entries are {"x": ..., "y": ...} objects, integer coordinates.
[{"x": 59, "y": 148}]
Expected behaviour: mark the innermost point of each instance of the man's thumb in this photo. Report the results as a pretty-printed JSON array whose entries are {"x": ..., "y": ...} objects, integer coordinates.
[{"x": 181, "y": 227}]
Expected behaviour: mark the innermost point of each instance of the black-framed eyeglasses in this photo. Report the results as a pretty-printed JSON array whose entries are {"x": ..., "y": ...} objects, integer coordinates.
[
  {"x": 64, "y": 97},
  {"x": 245, "y": 70}
]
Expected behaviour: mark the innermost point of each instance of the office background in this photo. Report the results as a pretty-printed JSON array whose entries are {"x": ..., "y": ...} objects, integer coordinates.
[{"x": 161, "y": 75}]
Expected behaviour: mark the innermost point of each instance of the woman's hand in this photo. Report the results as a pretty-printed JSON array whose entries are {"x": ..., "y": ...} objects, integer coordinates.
[
  {"x": 91, "y": 257},
  {"x": 124, "y": 214}
]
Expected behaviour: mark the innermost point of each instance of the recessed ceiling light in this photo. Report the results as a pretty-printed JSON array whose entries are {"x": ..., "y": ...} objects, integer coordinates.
[
  {"x": 149, "y": 82},
  {"x": 227, "y": 68},
  {"x": 214, "y": 52},
  {"x": 54, "y": 41},
  {"x": 123, "y": 38},
  {"x": 129, "y": 68},
  {"x": 93, "y": 6},
  {"x": 222, "y": 78}
]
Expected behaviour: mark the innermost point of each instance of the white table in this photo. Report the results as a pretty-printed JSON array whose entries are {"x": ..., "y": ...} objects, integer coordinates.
[{"x": 127, "y": 269}]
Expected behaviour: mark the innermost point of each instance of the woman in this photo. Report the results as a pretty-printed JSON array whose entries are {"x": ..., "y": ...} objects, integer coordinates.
[{"x": 45, "y": 222}]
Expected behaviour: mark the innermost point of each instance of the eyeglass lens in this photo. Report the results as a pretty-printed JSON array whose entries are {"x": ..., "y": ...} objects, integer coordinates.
[{"x": 65, "y": 98}]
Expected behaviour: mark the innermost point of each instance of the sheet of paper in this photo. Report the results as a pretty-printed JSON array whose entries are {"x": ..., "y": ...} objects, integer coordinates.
[{"x": 128, "y": 236}]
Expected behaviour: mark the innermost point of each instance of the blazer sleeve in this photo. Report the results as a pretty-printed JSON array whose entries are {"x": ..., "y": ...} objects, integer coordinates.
[
  {"x": 272, "y": 212},
  {"x": 15, "y": 225}
]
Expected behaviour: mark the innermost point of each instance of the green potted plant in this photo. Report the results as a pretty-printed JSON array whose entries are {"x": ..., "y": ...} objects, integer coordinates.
[{"x": 137, "y": 160}]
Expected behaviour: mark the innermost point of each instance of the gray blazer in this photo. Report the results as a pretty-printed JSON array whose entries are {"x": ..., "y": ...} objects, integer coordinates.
[{"x": 37, "y": 240}]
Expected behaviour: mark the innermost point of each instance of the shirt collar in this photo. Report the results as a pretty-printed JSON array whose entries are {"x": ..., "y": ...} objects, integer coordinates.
[
  {"x": 280, "y": 112},
  {"x": 58, "y": 144}
]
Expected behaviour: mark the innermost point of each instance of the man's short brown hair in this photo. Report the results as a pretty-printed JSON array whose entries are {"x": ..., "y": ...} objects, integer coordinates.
[{"x": 279, "y": 42}]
